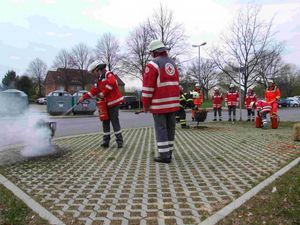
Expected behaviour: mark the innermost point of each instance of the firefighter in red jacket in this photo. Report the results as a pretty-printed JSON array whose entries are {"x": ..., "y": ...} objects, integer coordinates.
[
  {"x": 272, "y": 95},
  {"x": 107, "y": 88},
  {"x": 232, "y": 98},
  {"x": 160, "y": 96},
  {"x": 263, "y": 108},
  {"x": 217, "y": 99},
  {"x": 197, "y": 100},
  {"x": 250, "y": 97}
]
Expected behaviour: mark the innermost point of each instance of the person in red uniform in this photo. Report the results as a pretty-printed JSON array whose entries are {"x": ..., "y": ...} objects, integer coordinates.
[
  {"x": 272, "y": 95},
  {"x": 197, "y": 100},
  {"x": 263, "y": 108},
  {"x": 217, "y": 99},
  {"x": 232, "y": 98},
  {"x": 160, "y": 96},
  {"x": 250, "y": 97},
  {"x": 107, "y": 89}
]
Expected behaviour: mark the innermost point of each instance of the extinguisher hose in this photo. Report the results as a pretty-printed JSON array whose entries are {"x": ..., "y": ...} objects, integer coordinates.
[
  {"x": 278, "y": 120},
  {"x": 71, "y": 109}
]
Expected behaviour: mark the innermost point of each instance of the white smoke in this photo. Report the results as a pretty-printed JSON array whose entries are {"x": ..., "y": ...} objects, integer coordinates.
[{"x": 16, "y": 128}]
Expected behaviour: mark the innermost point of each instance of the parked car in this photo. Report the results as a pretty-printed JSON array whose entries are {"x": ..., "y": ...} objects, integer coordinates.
[
  {"x": 297, "y": 97},
  {"x": 294, "y": 102},
  {"x": 130, "y": 102},
  {"x": 283, "y": 102},
  {"x": 41, "y": 101}
]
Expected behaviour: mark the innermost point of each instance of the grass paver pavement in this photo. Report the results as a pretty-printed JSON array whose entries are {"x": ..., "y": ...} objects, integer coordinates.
[{"x": 211, "y": 167}]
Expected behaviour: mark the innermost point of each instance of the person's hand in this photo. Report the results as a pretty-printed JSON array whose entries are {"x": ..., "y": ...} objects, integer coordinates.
[
  {"x": 101, "y": 95},
  {"x": 146, "y": 109},
  {"x": 80, "y": 100}
]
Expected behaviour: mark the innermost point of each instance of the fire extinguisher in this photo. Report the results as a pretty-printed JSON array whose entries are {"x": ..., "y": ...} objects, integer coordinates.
[
  {"x": 102, "y": 109},
  {"x": 274, "y": 121},
  {"x": 258, "y": 122}
]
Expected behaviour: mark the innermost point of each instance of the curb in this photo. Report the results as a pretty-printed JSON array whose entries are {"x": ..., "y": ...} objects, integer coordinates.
[
  {"x": 31, "y": 203},
  {"x": 222, "y": 213}
]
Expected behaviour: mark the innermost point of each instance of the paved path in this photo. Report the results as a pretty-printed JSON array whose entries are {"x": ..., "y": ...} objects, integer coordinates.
[{"x": 211, "y": 167}]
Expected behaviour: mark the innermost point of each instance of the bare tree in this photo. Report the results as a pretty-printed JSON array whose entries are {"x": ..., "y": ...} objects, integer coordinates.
[
  {"x": 108, "y": 51},
  {"x": 81, "y": 59},
  {"x": 288, "y": 80},
  {"x": 162, "y": 26},
  {"x": 134, "y": 62},
  {"x": 64, "y": 60},
  {"x": 37, "y": 69},
  {"x": 244, "y": 46},
  {"x": 270, "y": 64},
  {"x": 208, "y": 74}
]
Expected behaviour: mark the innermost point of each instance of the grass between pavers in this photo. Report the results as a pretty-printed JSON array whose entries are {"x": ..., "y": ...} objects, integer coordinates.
[
  {"x": 279, "y": 203},
  {"x": 14, "y": 212}
]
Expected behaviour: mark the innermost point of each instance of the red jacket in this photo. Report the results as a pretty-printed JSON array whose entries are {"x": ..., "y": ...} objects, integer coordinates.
[
  {"x": 198, "y": 101},
  {"x": 232, "y": 98},
  {"x": 217, "y": 100},
  {"x": 160, "y": 90},
  {"x": 263, "y": 106},
  {"x": 271, "y": 95},
  {"x": 250, "y": 98},
  {"x": 107, "y": 85}
]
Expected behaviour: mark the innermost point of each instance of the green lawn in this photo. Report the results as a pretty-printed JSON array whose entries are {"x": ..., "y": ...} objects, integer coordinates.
[
  {"x": 278, "y": 207},
  {"x": 14, "y": 212}
]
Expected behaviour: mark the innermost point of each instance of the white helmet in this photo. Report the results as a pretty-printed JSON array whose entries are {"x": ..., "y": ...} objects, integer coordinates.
[
  {"x": 197, "y": 85},
  {"x": 216, "y": 88},
  {"x": 157, "y": 46},
  {"x": 94, "y": 65},
  {"x": 195, "y": 94},
  {"x": 231, "y": 86}
]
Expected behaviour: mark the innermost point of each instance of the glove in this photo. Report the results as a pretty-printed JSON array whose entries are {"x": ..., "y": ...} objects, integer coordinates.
[{"x": 80, "y": 100}]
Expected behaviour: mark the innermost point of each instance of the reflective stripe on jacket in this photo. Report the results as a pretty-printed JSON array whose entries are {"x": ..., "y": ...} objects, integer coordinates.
[
  {"x": 107, "y": 85},
  {"x": 160, "y": 90},
  {"x": 232, "y": 98}
]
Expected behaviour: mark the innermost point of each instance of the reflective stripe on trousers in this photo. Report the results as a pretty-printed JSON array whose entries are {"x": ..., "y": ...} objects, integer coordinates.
[
  {"x": 164, "y": 125},
  {"x": 113, "y": 113}
]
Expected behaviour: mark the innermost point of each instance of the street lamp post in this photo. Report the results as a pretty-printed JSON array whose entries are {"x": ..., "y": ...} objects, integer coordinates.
[{"x": 199, "y": 62}]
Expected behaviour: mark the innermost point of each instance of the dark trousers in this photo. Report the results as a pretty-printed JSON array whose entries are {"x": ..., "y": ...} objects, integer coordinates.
[
  {"x": 231, "y": 109},
  {"x": 113, "y": 113},
  {"x": 250, "y": 113},
  {"x": 219, "y": 110},
  {"x": 164, "y": 125},
  {"x": 182, "y": 116}
]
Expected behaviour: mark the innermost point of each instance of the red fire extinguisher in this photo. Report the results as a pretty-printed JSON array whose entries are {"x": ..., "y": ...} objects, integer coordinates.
[
  {"x": 274, "y": 121},
  {"x": 258, "y": 122},
  {"x": 102, "y": 109}
]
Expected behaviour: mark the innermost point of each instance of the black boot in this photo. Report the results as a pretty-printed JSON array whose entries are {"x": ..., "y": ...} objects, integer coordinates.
[
  {"x": 120, "y": 145},
  {"x": 164, "y": 157},
  {"x": 214, "y": 119},
  {"x": 104, "y": 145},
  {"x": 229, "y": 119}
]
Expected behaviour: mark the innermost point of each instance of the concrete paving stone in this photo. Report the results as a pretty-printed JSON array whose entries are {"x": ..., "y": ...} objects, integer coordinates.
[{"x": 211, "y": 168}]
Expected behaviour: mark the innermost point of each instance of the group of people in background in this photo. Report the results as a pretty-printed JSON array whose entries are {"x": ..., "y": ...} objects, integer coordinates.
[{"x": 166, "y": 100}]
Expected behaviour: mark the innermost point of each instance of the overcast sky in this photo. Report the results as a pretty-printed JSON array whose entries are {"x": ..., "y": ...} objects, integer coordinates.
[{"x": 41, "y": 28}]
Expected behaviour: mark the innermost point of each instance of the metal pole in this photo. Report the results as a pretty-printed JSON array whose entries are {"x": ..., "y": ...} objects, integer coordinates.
[
  {"x": 199, "y": 65},
  {"x": 240, "y": 103}
]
